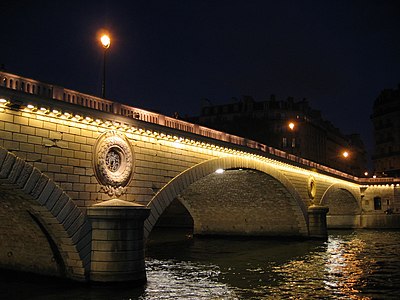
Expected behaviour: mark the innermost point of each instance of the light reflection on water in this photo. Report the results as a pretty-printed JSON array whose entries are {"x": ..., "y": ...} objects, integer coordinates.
[
  {"x": 170, "y": 279},
  {"x": 350, "y": 265}
]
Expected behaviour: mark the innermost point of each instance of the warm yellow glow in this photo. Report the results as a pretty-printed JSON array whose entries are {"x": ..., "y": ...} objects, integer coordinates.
[
  {"x": 2, "y": 100},
  {"x": 183, "y": 143},
  {"x": 178, "y": 144},
  {"x": 219, "y": 171},
  {"x": 365, "y": 173},
  {"x": 345, "y": 154},
  {"x": 291, "y": 125},
  {"x": 30, "y": 106},
  {"x": 105, "y": 41}
]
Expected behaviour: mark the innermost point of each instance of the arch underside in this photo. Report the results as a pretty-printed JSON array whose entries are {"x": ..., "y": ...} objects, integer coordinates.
[
  {"x": 249, "y": 198},
  {"x": 344, "y": 209},
  {"x": 42, "y": 230},
  {"x": 245, "y": 202}
]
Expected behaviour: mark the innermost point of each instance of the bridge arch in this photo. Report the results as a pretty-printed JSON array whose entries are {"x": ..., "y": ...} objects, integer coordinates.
[
  {"x": 181, "y": 182},
  {"x": 43, "y": 231},
  {"x": 344, "y": 206}
]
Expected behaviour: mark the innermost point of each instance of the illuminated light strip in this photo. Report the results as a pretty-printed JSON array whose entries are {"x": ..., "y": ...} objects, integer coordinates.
[
  {"x": 220, "y": 149},
  {"x": 193, "y": 143}
]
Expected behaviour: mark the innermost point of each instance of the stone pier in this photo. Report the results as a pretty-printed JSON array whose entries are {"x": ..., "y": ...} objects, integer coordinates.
[
  {"x": 317, "y": 222},
  {"x": 117, "y": 241}
]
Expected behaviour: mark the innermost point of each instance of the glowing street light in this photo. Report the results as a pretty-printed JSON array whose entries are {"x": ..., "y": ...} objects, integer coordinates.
[
  {"x": 291, "y": 125},
  {"x": 345, "y": 154},
  {"x": 105, "y": 42}
]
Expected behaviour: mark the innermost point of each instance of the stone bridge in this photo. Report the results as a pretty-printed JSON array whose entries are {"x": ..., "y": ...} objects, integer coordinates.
[{"x": 84, "y": 180}]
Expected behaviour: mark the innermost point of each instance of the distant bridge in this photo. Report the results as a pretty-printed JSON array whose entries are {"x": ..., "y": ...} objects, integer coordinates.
[{"x": 84, "y": 180}]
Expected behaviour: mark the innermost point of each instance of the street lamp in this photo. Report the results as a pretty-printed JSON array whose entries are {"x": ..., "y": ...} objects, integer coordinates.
[
  {"x": 105, "y": 41},
  {"x": 345, "y": 154},
  {"x": 291, "y": 126}
]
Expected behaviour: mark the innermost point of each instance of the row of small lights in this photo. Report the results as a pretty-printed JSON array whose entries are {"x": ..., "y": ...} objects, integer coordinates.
[
  {"x": 130, "y": 129},
  {"x": 380, "y": 185},
  {"x": 178, "y": 141},
  {"x": 127, "y": 128}
]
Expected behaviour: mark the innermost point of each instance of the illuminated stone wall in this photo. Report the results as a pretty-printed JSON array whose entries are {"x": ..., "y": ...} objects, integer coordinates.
[
  {"x": 82, "y": 158},
  {"x": 385, "y": 215},
  {"x": 59, "y": 139},
  {"x": 62, "y": 148},
  {"x": 42, "y": 230},
  {"x": 245, "y": 202}
]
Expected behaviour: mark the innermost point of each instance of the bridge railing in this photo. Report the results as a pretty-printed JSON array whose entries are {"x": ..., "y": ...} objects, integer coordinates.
[
  {"x": 26, "y": 85},
  {"x": 31, "y": 86},
  {"x": 381, "y": 181}
]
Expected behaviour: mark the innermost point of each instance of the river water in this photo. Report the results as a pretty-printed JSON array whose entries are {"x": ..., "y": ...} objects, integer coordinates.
[{"x": 361, "y": 264}]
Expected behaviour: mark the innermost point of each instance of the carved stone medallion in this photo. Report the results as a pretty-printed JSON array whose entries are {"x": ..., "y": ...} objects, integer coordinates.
[{"x": 113, "y": 162}]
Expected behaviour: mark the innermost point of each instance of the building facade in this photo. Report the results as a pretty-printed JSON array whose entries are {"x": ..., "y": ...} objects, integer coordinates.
[
  {"x": 386, "y": 122},
  {"x": 289, "y": 125}
]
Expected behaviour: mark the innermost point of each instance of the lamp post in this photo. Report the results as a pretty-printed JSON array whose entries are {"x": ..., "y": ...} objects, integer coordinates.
[
  {"x": 105, "y": 41},
  {"x": 292, "y": 141}
]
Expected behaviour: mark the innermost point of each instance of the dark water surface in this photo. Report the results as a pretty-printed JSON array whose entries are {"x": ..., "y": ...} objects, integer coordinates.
[{"x": 362, "y": 264}]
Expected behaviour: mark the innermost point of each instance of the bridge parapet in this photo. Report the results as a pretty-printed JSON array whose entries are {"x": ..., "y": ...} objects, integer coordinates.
[
  {"x": 33, "y": 87},
  {"x": 382, "y": 181}
]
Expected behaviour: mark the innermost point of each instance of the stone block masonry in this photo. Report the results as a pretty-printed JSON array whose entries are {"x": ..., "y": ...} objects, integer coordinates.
[
  {"x": 117, "y": 241},
  {"x": 48, "y": 183}
]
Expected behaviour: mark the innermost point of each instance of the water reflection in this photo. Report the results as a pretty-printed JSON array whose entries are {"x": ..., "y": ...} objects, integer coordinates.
[
  {"x": 169, "y": 279},
  {"x": 345, "y": 267},
  {"x": 350, "y": 265}
]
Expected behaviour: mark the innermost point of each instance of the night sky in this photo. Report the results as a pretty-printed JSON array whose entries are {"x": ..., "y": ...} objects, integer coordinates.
[{"x": 168, "y": 55}]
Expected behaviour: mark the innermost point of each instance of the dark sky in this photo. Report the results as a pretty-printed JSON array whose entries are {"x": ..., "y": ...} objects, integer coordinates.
[{"x": 168, "y": 55}]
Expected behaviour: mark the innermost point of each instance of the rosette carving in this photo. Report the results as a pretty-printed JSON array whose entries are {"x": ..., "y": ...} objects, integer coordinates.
[{"x": 113, "y": 162}]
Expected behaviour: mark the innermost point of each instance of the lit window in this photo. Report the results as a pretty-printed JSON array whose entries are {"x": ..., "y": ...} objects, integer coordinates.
[{"x": 284, "y": 142}]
